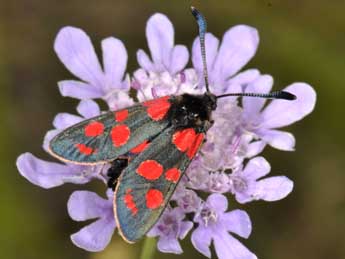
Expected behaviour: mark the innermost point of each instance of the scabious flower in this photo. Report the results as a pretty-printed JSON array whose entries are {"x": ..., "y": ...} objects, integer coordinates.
[{"x": 227, "y": 164}]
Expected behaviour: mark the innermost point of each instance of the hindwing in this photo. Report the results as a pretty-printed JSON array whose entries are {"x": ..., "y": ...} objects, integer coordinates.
[{"x": 147, "y": 184}]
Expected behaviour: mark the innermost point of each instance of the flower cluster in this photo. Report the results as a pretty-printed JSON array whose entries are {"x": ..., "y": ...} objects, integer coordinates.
[{"x": 228, "y": 162}]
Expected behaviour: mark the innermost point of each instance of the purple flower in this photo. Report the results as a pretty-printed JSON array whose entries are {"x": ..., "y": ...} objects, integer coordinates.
[
  {"x": 263, "y": 122},
  {"x": 246, "y": 186},
  {"x": 50, "y": 174},
  {"x": 84, "y": 205},
  {"x": 215, "y": 224},
  {"x": 238, "y": 46},
  {"x": 170, "y": 228},
  {"x": 164, "y": 74},
  {"x": 165, "y": 56},
  {"x": 75, "y": 50}
]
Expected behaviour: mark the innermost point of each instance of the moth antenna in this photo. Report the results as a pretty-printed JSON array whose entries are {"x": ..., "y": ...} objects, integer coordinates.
[
  {"x": 202, "y": 30},
  {"x": 273, "y": 95}
]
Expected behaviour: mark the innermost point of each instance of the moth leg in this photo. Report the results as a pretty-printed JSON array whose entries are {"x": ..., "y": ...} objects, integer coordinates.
[{"x": 115, "y": 171}]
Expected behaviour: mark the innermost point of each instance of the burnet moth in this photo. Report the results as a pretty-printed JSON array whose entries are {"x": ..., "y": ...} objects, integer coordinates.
[{"x": 149, "y": 145}]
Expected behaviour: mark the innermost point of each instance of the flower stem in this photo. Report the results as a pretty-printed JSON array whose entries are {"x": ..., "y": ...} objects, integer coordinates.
[{"x": 148, "y": 249}]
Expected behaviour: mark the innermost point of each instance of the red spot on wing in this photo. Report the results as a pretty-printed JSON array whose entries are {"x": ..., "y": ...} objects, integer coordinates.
[
  {"x": 150, "y": 169},
  {"x": 188, "y": 141},
  {"x": 196, "y": 145},
  {"x": 84, "y": 149},
  {"x": 94, "y": 129},
  {"x": 120, "y": 135},
  {"x": 183, "y": 139},
  {"x": 173, "y": 175},
  {"x": 158, "y": 108},
  {"x": 154, "y": 198},
  {"x": 140, "y": 147},
  {"x": 121, "y": 115},
  {"x": 129, "y": 202}
]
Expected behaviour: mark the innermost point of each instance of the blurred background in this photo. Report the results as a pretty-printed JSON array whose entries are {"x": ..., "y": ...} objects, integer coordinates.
[{"x": 300, "y": 40}]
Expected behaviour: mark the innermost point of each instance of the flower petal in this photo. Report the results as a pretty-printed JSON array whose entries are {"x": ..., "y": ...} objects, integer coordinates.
[
  {"x": 160, "y": 38},
  {"x": 244, "y": 78},
  {"x": 238, "y": 46},
  {"x": 75, "y": 50},
  {"x": 88, "y": 109},
  {"x": 144, "y": 60},
  {"x": 252, "y": 106},
  {"x": 64, "y": 120},
  {"x": 257, "y": 167},
  {"x": 79, "y": 90},
  {"x": 201, "y": 240},
  {"x": 227, "y": 247},
  {"x": 278, "y": 139},
  {"x": 281, "y": 113},
  {"x": 238, "y": 222},
  {"x": 273, "y": 188},
  {"x": 185, "y": 227},
  {"x": 169, "y": 245},
  {"x": 255, "y": 148},
  {"x": 84, "y": 205},
  {"x": 96, "y": 236},
  {"x": 114, "y": 61},
  {"x": 47, "y": 174},
  {"x": 48, "y": 137},
  {"x": 218, "y": 202},
  {"x": 179, "y": 59}
]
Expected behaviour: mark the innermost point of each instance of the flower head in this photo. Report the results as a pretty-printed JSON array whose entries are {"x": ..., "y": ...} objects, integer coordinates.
[
  {"x": 215, "y": 224},
  {"x": 169, "y": 228},
  {"x": 227, "y": 163},
  {"x": 85, "y": 205}
]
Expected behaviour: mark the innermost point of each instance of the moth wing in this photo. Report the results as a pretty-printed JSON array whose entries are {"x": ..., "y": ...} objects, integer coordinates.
[
  {"x": 147, "y": 184},
  {"x": 107, "y": 136}
]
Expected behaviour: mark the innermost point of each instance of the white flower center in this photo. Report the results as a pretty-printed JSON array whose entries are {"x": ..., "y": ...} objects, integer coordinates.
[{"x": 208, "y": 216}]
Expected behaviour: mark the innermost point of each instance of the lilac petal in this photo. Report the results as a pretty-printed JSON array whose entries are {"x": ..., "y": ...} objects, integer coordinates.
[
  {"x": 47, "y": 174},
  {"x": 144, "y": 60},
  {"x": 245, "y": 77},
  {"x": 281, "y": 113},
  {"x": 211, "y": 46},
  {"x": 218, "y": 202},
  {"x": 278, "y": 139},
  {"x": 96, "y": 236},
  {"x": 238, "y": 46},
  {"x": 185, "y": 227},
  {"x": 201, "y": 240},
  {"x": 169, "y": 245},
  {"x": 48, "y": 137},
  {"x": 257, "y": 167},
  {"x": 75, "y": 50},
  {"x": 79, "y": 90},
  {"x": 114, "y": 61},
  {"x": 238, "y": 222},
  {"x": 263, "y": 84},
  {"x": 243, "y": 197},
  {"x": 84, "y": 205},
  {"x": 255, "y": 148},
  {"x": 273, "y": 188},
  {"x": 227, "y": 247},
  {"x": 88, "y": 109},
  {"x": 179, "y": 59},
  {"x": 160, "y": 37},
  {"x": 64, "y": 120}
]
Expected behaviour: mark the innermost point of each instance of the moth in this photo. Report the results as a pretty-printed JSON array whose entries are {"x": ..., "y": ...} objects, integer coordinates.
[{"x": 149, "y": 145}]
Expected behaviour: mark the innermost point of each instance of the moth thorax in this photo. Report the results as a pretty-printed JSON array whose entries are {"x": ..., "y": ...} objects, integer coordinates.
[{"x": 192, "y": 110}]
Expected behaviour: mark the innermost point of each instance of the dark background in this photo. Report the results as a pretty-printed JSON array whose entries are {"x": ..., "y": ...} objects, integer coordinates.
[{"x": 300, "y": 40}]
